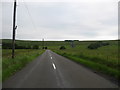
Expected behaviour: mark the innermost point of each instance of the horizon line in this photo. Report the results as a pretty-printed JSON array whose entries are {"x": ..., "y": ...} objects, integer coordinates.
[{"x": 62, "y": 40}]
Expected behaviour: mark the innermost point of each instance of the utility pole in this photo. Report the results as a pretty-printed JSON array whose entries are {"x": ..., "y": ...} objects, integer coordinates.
[
  {"x": 14, "y": 28},
  {"x": 72, "y": 43},
  {"x": 43, "y": 44}
]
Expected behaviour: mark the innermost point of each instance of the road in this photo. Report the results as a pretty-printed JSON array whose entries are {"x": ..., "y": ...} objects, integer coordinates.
[{"x": 51, "y": 70}]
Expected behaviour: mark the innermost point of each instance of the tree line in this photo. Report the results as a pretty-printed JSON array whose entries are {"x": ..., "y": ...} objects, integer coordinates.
[{"x": 9, "y": 46}]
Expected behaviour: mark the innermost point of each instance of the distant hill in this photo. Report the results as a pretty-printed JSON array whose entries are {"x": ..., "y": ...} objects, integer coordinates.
[{"x": 53, "y": 43}]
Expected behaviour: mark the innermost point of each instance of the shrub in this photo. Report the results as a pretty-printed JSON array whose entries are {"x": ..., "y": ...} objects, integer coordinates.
[
  {"x": 92, "y": 46},
  {"x": 45, "y": 47},
  {"x": 62, "y": 48},
  {"x": 105, "y": 43},
  {"x": 97, "y": 45}
]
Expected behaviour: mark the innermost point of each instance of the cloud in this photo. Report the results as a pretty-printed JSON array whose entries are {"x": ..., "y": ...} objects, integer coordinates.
[{"x": 62, "y": 20}]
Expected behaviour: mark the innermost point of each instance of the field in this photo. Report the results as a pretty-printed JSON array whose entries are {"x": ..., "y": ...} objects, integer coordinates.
[{"x": 105, "y": 59}]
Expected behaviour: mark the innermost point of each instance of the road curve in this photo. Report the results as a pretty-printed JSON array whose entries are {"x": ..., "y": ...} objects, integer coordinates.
[{"x": 51, "y": 70}]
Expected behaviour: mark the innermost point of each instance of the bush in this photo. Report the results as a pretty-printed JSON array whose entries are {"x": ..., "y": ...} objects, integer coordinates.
[
  {"x": 62, "y": 48},
  {"x": 97, "y": 45},
  {"x": 93, "y": 46},
  {"x": 105, "y": 43},
  {"x": 45, "y": 47}
]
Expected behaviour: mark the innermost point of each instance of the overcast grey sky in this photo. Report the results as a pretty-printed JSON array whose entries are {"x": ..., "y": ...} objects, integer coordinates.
[{"x": 62, "y": 20}]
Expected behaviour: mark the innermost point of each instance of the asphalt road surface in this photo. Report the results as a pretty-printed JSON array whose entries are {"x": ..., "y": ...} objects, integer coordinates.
[{"x": 51, "y": 70}]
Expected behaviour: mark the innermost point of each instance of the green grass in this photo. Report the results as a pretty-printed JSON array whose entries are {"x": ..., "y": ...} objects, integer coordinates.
[
  {"x": 32, "y": 43},
  {"x": 23, "y": 57},
  {"x": 0, "y": 66},
  {"x": 105, "y": 59},
  {"x": 107, "y": 55},
  {"x": 94, "y": 65}
]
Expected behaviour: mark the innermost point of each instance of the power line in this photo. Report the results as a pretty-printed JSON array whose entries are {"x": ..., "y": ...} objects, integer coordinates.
[{"x": 29, "y": 15}]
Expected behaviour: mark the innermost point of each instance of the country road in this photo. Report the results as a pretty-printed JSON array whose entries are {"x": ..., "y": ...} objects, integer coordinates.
[{"x": 51, "y": 70}]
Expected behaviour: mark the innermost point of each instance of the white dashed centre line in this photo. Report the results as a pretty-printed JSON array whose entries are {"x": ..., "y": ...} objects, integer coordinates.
[
  {"x": 54, "y": 66},
  {"x": 51, "y": 57}
]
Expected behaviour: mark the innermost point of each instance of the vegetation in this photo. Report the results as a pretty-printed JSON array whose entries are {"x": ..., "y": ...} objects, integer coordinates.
[
  {"x": 35, "y": 47},
  {"x": 104, "y": 58},
  {"x": 23, "y": 57},
  {"x": 39, "y": 43},
  {"x": 62, "y": 48},
  {"x": 44, "y": 47},
  {"x": 97, "y": 45},
  {"x": 94, "y": 65},
  {"x": 17, "y": 46}
]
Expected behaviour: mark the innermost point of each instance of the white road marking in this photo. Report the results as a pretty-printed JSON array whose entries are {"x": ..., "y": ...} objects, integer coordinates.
[
  {"x": 51, "y": 57},
  {"x": 54, "y": 66}
]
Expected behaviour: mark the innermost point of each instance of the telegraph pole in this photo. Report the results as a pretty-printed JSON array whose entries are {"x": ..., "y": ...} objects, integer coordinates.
[
  {"x": 14, "y": 28},
  {"x": 72, "y": 43},
  {"x": 43, "y": 43}
]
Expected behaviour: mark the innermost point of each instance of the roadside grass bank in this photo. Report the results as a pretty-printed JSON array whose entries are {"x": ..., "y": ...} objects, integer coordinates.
[
  {"x": 23, "y": 57},
  {"x": 98, "y": 66},
  {"x": 0, "y": 66}
]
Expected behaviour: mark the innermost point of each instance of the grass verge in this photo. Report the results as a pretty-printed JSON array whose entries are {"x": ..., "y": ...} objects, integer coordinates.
[
  {"x": 93, "y": 65},
  {"x": 10, "y": 66}
]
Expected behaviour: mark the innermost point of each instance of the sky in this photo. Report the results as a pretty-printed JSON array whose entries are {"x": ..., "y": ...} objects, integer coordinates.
[{"x": 61, "y": 19}]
